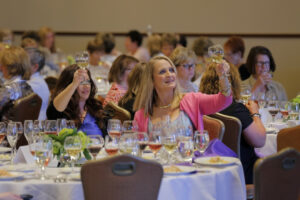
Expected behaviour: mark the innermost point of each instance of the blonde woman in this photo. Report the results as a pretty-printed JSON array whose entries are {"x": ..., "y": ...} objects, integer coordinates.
[
  {"x": 154, "y": 44},
  {"x": 159, "y": 96},
  {"x": 185, "y": 61}
]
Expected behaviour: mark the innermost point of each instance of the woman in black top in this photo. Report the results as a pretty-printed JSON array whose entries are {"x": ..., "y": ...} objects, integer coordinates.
[{"x": 253, "y": 131}]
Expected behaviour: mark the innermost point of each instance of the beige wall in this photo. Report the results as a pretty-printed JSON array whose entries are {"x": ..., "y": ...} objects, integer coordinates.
[{"x": 190, "y": 16}]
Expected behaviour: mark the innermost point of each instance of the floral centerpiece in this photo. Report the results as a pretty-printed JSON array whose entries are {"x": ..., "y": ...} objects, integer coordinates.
[{"x": 58, "y": 142}]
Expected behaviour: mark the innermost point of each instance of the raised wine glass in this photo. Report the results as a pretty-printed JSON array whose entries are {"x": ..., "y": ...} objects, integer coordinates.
[
  {"x": 216, "y": 54},
  {"x": 201, "y": 140},
  {"x": 73, "y": 146},
  {"x": 82, "y": 59},
  {"x": 95, "y": 144},
  {"x": 114, "y": 128}
]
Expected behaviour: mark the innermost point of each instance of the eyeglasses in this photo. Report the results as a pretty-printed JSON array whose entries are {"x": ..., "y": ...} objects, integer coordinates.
[
  {"x": 188, "y": 66},
  {"x": 86, "y": 82},
  {"x": 261, "y": 63}
]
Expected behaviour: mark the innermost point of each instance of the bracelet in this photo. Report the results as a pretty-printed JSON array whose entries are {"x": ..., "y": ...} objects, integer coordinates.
[{"x": 256, "y": 115}]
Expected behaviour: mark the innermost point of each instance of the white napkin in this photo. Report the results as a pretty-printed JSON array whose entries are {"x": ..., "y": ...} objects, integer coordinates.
[
  {"x": 24, "y": 156},
  {"x": 292, "y": 123}
]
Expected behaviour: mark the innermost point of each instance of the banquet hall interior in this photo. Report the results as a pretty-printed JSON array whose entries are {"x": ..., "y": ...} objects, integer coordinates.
[{"x": 149, "y": 100}]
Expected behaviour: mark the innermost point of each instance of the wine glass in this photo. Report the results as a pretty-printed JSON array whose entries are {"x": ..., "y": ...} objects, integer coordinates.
[
  {"x": 2, "y": 131},
  {"x": 51, "y": 127},
  {"x": 114, "y": 127},
  {"x": 261, "y": 99},
  {"x": 201, "y": 140},
  {"x": 186, "y": 147},
  {"x": 28, "y": 130},
  {"x": 143, "y": 141},
  {"x": 129, "y": 126},
  {"x": 111, "y": 145},
  {"x": 155, "y": 142},
  {"x": 19, "y": 127},
  {"x": 73, "y": 146},
  {"x": 294, "y": 114},
  {"x": 273, "y": 109},
  {"x": 129, "y": 144},
  {"x": 82, "y": 59},
  {"x": 39, "y": 126},
  {"x": 71, "y": 124},
  {"x": 285, "y": 108},
  {"x": 61, "y": 124},
  {"x": 43, "y": 152},
  {"x": 95, "y": 144},
  {"x": 245, "y": 94},
  {"x": 170, "y": 144},
  {"x": 216, "y": 53},
  {"x": 12, "y": 137}
]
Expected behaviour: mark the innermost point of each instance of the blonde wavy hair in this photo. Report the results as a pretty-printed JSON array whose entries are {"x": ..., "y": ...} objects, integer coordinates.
[
  {"x": 147, "y": 95},
  {"x": 210, "y": 81}
]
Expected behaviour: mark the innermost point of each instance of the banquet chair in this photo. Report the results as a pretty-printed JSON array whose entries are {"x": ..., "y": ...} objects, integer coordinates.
[
  {"x": 26, "y": 108},
  {"x": 233, "y": 130},
  {"x": 277, "y": 176},
  {"x": 289, "y": 137},
  {"x": 121, "y": 177},
  {"x": 214, "y": 127},
  {"x": 117, "y": 112}
]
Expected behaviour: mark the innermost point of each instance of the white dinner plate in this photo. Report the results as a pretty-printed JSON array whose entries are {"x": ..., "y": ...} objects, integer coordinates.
[
  {"x": 5, "y": 149},
  {"x": 14, "y": 175},
  {"x": 184, "y": 170},
  {"x": 74, "y": 177},
  {"x": 209, "y": 161}
]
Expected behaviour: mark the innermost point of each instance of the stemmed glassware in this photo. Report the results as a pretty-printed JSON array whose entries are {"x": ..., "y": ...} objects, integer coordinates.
[
  {"x": 51, "y": 127},
  {"x": 295, "y": 108},
  {"x": 61, "y": 124},
  {"x": 95, "y": 144},
  {"x": 155, "y": 142},
  {"x": 245, "y": 94},
  {"x": 71, "y": 124},
  {"x": 170, "y": 144},
  {"x": 43, "y": 152},
  {"x": 129, "y": 126},
  {"x": 82, "y": 59},
  {"x": 201, "y": 140},
  {"x": 143, "y": 141},
  {"x": 73, "y": 146},
  {"x": 39, "y": 126},
  {"x": 285, "y": 108},
  {"x": 129, "y": 144},
  {"x": 28, "y": 130},
  {"x": 186, "y": 147},
  {"x": 261, "y": 100},
  {"x": 2, "y": 131},
  {"x": 111, "y": 145},
  {"x": 216, "y": 54},
  {"x": 114, "y": 128},
  {"x": 273, "y": 109},
  {"x": 12, "y": 137}
]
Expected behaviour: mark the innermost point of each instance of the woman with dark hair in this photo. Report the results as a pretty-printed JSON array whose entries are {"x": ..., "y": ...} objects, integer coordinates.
[
  {"x": 118, "y": 74},
  {"x": 261, "y": 65},
  {"x": 73, "y": 99},
  {"x": 253, "y": 131}
]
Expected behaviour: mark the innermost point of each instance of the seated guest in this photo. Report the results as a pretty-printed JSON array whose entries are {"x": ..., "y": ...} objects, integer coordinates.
[
  {"x": 184, "y": 60},
  {"x": 118, "y": 77},
  {"x": 73, "y": 99},
  {"x": 134, "y": 83},
  {"x": 234, "y": 49},
  {"x": 133, "y": 44},
  {"x": 169, "y": 43},
  {"x": 253, "y": 131},
  {"x": 154, "y": 45},
  {"x": 37, "y": 82},
  {"x": 159, "y": 96},
  {"x": 261, "y": 65},
  {"x": 30, "y": 39}
]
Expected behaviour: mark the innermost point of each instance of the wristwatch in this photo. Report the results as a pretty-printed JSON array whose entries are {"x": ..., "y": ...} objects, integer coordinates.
[{"x": 256, "y": 115}]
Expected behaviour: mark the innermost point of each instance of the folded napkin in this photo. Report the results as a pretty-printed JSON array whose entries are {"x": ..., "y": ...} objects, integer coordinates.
[
  {"x": 216, "y": 148},
  {"x": 292, "y": 123}
]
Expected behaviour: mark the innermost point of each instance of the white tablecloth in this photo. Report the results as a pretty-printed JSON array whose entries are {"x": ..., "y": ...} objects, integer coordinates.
[
  {"x": 220, "y": 183},
  {"x": 270, "y": 146}
]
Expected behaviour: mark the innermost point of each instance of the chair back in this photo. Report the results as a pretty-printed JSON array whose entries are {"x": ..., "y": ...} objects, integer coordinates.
[
  {"x": 121, "y": 177},
  {"x": 117, "y": 112},
  {"x": 289, "y": 137},
  {"x": 214, "y": 127},
  {"x": 277, "y": 176},
  {"x": 233, "y": 130},
  {"x": 26, "y": 108}
]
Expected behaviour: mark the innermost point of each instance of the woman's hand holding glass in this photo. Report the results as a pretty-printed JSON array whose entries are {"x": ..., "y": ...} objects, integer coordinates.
[
  {"x": 201, "y": 140},
  {"x": 95, "y": 144},
  {"x": 73, "y": 146}
]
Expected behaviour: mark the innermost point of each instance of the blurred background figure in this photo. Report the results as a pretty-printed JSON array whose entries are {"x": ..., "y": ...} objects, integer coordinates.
[
  {"x": 36, "y": 81},
  {"x": 73, "y": 99},
  {"x": 134, "y": 83},
  {"x": 169, "y": 43},
  {"x": 185, "y": 62},
  {"x": 261, "y": 66},
  {"x": 117, "y": 76},
  {"x": 253, "y": 131},
  {"x": 181, "y": 40},
  {"x": 234, "y": 49},
  {"x": 200, "y": 47},
  {"x": 51, "y": 82},
  {"x": 6, "y": 37},
  {"x": 133, "y": 44},
  {"x": 154, "y": 44},
  {"x": 53, "y": 55},
  {"x": 109, "y": 43},
  {"x": 30, "y": 39}
]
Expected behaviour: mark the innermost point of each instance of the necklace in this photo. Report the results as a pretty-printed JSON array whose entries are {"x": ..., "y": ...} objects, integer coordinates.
[{"x": 163, "y": 107}]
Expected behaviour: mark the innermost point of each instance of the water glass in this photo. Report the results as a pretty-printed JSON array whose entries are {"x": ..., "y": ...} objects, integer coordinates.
[
  {"x": 186, "y": 147},
  {"x": 201, "y": 140}
]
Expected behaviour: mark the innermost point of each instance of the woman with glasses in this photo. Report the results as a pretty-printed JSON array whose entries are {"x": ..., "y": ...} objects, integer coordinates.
[
  {"x": 261, "y": 65},
  {"x": 184, "y": 60},
  {"x": 73, "y": 99}
]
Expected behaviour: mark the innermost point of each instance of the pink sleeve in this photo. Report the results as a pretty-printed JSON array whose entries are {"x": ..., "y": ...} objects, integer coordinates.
[
  {"x": 141, "y": 120},
  {"x": 212, "y": 103}
]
